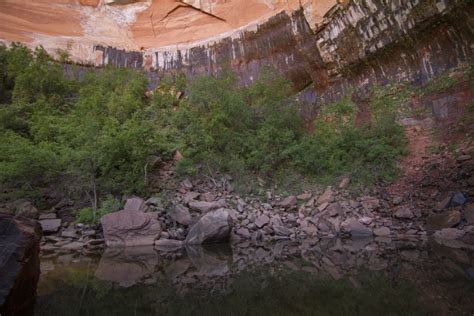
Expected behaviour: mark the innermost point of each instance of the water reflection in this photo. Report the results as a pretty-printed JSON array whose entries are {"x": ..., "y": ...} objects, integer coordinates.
[
  {"x": 399, "y": 278},
  {"x": 127, "y": 266}
]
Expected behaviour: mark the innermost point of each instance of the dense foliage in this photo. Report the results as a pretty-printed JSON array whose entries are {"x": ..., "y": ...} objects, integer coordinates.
[
  {"x": 93, "y": 136},
  {"x": 97, "y": 135}
]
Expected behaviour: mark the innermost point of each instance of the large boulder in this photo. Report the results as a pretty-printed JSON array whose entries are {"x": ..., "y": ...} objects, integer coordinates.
[
  {"x": 214, "y": 227},
  {"x": 130, "y": 227},
  {"x": 19, "y": 264}
]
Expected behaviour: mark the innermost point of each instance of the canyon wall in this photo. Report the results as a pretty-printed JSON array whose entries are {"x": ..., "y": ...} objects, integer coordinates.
[{"x": 327, "y": 45}]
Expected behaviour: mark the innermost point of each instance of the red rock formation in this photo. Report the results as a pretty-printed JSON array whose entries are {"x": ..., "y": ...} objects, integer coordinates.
[{"x": 314, "y": 42}]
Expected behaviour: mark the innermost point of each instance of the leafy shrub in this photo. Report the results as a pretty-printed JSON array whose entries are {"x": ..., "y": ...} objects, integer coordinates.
[
  {"x": 339, "y": 147},
  {"x": 90, "y": 216},
  {"x": 94, "y": 137},
  {"x": 234, "y": 129}
]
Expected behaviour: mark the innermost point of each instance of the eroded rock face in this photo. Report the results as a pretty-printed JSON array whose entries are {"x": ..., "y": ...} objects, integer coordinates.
[
  {"x": 310, "y": 41},
  {"x": 19, "y": 264},
  {"x": 130, "y": 228},
  {"x": 214, "y": 227}
]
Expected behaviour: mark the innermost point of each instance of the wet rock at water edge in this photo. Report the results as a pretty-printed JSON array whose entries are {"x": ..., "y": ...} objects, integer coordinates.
[
  {"x": 213, "y": 227},
  {"x": 446, "y": 219},
  {"x": 19, "y": 264},
  {"x": 131, "y": 227},
  {"x": 354, "y": 228},
  {"x": 168, "y": 244}
]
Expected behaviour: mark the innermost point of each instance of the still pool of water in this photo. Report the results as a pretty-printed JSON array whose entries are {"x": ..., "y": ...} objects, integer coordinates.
[{"x": 328, "y": 277}]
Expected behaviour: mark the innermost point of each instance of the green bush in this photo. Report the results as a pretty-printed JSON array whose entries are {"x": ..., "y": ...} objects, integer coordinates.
[
  {"x": 90, "y": 216},
  {"x": 338, "y": 147},
  {"x": 91, "y": 137},
  {"x": 95, "y": 137},
  {"x": 234, "y": 129}
]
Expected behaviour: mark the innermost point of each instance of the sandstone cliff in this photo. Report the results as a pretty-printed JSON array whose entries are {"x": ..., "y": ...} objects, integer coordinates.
[{"x": 327, "y": 43}]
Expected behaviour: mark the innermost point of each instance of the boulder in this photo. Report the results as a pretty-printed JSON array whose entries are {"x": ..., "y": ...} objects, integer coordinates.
[
  {"x": 404, "y": 213},
  {"x": 205, "y": 207},
  {"x": 130, "y": 228},
  {"x": 354, "y": 228},
  {"x": 50, "y": 225},
  {"x": 168, "y": 244},
  {"x": 262, "y": 221},
  {"x": 289, "y": 202},
  {"x": 213, "y": 227},
  {"x": 446, "y": 219},
  {"x": 25, "y": 208},
  {"x": 19, "y": 264},
  {"x": 135, "y": 204},
  {"x": 181, "y": 215}
]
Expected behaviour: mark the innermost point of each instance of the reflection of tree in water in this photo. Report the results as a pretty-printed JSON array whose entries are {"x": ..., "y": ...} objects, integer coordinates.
[{"x": 328, "y": 278}]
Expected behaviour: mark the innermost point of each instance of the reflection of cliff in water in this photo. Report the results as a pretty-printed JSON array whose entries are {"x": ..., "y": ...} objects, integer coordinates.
[{"x": 328, "y": 277}]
